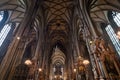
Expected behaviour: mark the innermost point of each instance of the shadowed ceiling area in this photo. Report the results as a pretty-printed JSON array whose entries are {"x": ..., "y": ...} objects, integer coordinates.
[
  {"x": 57, "y": 10},
  {"x": 58, "y": 14}
]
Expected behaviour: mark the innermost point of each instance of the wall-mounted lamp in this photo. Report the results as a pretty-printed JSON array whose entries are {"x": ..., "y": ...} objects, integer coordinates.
[
  {"x": 40, "y": 69},
  {"x": 55, "y": 76},
  {"x": 74, "y": 70},
  {"x": 18, "y": 38},
  {"x": 60, "y": 76},
  {"x": 90, "y": 42}
]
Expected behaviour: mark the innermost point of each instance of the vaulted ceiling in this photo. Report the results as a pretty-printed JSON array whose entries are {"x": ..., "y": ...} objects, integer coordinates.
[
  {"x": 98, "y": 8},
  {"x": 57, "y": 10},
  {"x": 58, "y": 14}
]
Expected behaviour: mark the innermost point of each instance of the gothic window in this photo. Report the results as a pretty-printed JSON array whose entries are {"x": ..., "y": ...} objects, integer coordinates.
[
  {"x": 4, "y": 29},
  {"x": 1, "y": 15},
  {"x": 4, "y": 32},
  {"x": 116, "y": 18},
  {"x": 113, "y": 38},
  {"x": 111, "y": 33}
]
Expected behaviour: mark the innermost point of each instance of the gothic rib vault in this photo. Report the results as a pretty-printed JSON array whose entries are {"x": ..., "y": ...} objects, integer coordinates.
[{"x": 59, "y": 30}]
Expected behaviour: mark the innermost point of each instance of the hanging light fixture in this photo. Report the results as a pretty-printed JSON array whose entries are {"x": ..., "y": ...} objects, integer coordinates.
[
  {"x": 86, "y": 62},
  {"x": 28, "y": 62}
]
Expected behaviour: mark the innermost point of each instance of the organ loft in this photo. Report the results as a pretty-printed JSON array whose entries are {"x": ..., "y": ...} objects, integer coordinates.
[{"x": 59, "y": 39}]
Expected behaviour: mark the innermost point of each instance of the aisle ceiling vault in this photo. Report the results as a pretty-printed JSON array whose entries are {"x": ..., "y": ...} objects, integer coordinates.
[
  {"x": 16, "y": 9},
  {"x": 98, "y": 8}
]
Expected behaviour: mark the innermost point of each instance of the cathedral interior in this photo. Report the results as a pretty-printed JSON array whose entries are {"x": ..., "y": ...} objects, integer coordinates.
[{"x": 59, "y": 39}]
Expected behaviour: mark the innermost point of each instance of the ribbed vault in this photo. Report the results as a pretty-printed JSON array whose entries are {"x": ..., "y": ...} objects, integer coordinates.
[
  {"x": 98, "y": 9},
  {"x": 44, "y": 24},
  {"x": 15, "y": 8},
  {"x": 57, "y": 10},
  {"x": 57, "y": 17}
]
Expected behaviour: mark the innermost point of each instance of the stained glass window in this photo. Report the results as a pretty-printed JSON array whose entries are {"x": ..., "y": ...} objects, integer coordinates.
[
  {"x": 113, "y": 38},
  {"x": 112, "y": 34},
  {"x": 116, "y": 18},
  {"x": 1, "y": 15},
  {"x": 4, "y": 32},
  {"x": 5, "y": 29}
]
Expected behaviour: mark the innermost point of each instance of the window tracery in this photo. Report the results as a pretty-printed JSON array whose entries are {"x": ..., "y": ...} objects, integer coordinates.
[
  {"x": 4, "y": 32},
  {"x": 111, "y": 32},
  {"x": 116, "y": 18},
  {"x": 1, "y": 15}
]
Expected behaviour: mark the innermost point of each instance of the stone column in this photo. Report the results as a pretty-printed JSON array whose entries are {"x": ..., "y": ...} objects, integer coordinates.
[
  {"x": 91, "y": 36},
  {"x": 9, "y": 58}
]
